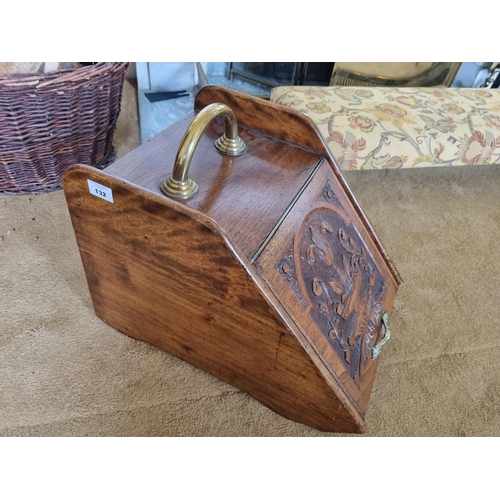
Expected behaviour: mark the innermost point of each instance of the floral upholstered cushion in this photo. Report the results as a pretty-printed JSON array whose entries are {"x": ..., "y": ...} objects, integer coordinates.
[{"x": 373, "y": 128}]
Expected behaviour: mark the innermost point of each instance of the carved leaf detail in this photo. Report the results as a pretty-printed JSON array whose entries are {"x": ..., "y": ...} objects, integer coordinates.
[
  {"x": 320, "y": 244},
  {"x": 336, "y": 287},
  {"x": 286, "y": 268},
  {"x": 346, "y": 292}
]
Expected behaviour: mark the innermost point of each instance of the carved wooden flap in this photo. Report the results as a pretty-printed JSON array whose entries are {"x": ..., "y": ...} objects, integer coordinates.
[{"x": 323, "y": 268}]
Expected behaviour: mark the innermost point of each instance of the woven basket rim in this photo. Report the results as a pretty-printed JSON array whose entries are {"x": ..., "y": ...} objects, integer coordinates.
[
  {"x": 49, "y": 122},
  {"x": 40, "y": 80}
]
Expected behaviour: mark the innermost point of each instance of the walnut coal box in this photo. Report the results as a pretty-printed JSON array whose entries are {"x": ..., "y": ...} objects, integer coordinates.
[{"x": 232, "y": 241}]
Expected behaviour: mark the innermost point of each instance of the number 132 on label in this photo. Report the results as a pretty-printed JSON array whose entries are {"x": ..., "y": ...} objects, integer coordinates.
[{"x": 100, "y": 191}]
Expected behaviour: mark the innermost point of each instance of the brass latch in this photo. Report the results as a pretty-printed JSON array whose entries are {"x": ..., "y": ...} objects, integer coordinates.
[{"x": 387, "y": 336}]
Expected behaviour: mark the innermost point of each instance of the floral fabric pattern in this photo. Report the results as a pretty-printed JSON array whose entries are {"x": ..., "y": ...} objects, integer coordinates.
[{"x": 374, "y": 128}]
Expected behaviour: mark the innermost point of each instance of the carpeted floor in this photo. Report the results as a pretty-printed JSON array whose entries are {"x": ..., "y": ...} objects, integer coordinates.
[{"x": 63, "y": 372}]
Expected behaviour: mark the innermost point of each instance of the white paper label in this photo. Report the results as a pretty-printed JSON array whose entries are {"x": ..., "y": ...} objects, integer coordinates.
[{"x": 100, "y": 191}]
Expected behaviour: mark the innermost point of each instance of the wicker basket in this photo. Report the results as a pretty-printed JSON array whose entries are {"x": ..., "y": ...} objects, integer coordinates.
[{"x": 49, "y": 122}]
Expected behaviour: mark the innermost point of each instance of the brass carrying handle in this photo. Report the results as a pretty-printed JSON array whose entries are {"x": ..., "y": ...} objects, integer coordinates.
[
  {"x": 387, "y": 336},
  {"x": 179, "y": 185}
]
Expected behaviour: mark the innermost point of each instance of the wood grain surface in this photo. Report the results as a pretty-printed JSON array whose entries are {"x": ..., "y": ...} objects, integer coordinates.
[
  {"x": 245, "y": 195},
  {"x": 270, "y": 278},
  {"x": 160, "y": 276},
  {"x": 290, "y": 126}
]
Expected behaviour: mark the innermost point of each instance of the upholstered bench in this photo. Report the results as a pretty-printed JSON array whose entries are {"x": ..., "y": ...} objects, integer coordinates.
[{"x": 374, "y": 128}]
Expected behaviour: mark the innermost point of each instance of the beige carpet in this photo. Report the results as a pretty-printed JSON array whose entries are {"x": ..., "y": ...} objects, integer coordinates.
[{"x": 63, "y": 372}]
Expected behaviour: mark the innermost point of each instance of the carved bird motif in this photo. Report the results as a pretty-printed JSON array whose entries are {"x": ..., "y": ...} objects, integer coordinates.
[{"x": 353, "y": 309}]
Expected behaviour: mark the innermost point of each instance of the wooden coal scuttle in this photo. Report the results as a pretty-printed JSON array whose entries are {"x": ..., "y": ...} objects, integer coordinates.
[{"x": 257, "y": 265}]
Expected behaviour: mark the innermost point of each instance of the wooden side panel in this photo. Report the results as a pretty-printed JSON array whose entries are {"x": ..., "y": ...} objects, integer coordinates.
[
  {"x": 158, "y": 275},
  {"x": 267, "y": 117},
  {"x": 324, "y": 268}
]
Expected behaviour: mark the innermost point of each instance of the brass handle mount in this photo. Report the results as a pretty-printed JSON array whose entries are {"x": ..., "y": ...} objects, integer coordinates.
[
  {"x": 377, "y": 348},
  {"x": 179, "y": 185}
]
